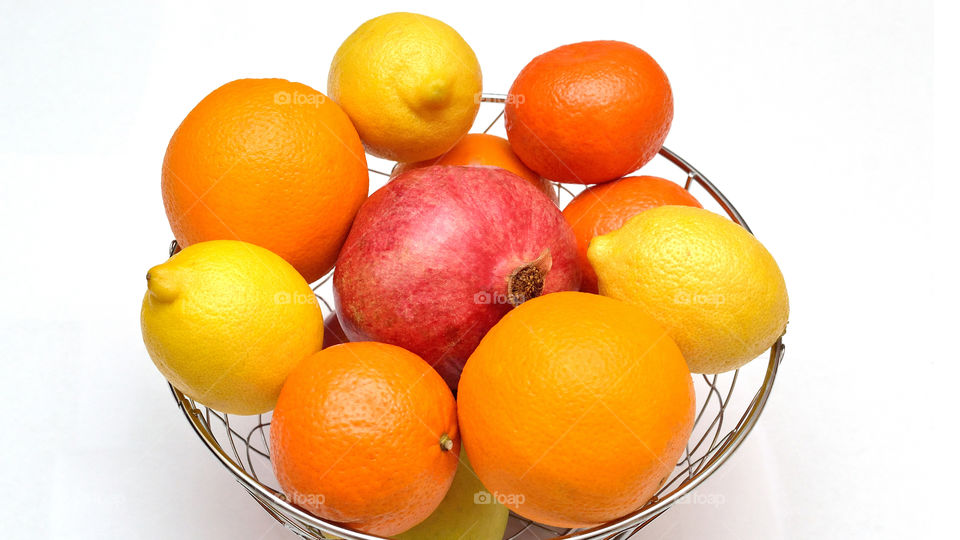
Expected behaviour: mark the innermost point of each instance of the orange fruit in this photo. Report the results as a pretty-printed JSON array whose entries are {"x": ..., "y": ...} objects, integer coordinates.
[
  {"x": 606, "y": 207},
  {"x": 270, "y": 162},
  {"x": 365, "y": 434},
  {"x": 575, "y": 408},
  {"x": 589, "y": 112},
  {"x": 481, "y": 149}
]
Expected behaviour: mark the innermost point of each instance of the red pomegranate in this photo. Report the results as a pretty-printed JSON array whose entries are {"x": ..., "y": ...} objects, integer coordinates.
[
  {"x": 332, "y": 332},
  {"x": 437, "y": 256}
]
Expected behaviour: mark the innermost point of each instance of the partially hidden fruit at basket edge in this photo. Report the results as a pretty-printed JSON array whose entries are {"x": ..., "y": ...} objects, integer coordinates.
[
  {"x": 484, "y": 150},
  {"x": 578, "y": 405},
  {"x": 589, "y": 112},
  {"x": 606, "y": 207},
  {"x": 332, "y": 331},
  {"x": 365, "y": 434},
  {"x": 266, "y": 161},
  {"x": 440, "y": 254},
  {"x": 711, "y": 283},
  {"x": 226, "y": 321},
  {"x": 468, "y": 512},
  {"x": 410, "y": 84}
]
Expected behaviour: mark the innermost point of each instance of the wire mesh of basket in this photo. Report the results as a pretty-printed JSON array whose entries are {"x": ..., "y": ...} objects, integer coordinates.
[{"x": 728, "y": 405}]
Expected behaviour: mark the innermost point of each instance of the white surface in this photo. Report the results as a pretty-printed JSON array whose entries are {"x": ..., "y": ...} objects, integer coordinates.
[{"x": 816, "y": 118}]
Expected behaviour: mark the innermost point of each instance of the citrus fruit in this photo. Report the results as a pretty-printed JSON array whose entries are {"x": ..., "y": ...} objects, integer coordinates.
[
  {"x": 365, "y": 434},
  {"x": 225, "y": 322},
  {"x": 270, "y": 162},
  {"x": 483, "y": 150},
  {"x": 410, "y": 84},
  {"x": 589, "y": 112},
  {"x": 575, "y": 408},
  {"x": 468, "y": 512},
  {"x": 711, "y": 283},
  {"x": 604, "y": 208}
]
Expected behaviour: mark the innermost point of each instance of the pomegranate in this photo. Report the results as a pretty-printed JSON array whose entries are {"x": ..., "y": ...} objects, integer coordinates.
[
  {"x": 332, "y": 333},
  {"x": 437, "y": 256}
]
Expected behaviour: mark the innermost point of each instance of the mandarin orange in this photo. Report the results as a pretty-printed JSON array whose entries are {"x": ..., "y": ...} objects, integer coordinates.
[
  {"x": 589, "y": 112},
  {"x": 365, "y": 434},
  {"x": 606, "y": 207},
  {"x": 484, "y": 150}
]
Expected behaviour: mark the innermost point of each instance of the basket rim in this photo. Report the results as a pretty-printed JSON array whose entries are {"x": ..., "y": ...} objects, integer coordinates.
[{"x": 266, "y": 496}]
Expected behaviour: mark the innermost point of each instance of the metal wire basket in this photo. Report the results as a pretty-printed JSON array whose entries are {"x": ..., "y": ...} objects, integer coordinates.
[{"x": 724, "y": 417}]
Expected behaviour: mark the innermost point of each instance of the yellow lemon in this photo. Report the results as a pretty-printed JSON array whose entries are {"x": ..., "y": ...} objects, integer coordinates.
[
  {"x": 410, "y": 84},
  {"x": 226, "y": 321},
  {"x": 712, "y": 284}
]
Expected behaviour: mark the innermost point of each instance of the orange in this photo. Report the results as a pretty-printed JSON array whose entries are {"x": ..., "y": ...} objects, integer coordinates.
[
  {"x": 605, "y": 208},
  {"x": 589, "y": 112},
  {"x": 481, "y": 149},
  {"x": 365, "y": 434},
  {"x": 270, "y": 162},
  {"x": 575, "y": 408}
]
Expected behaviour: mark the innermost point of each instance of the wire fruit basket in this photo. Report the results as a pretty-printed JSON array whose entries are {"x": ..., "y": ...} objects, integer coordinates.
[{"x": 728, "y": 406}]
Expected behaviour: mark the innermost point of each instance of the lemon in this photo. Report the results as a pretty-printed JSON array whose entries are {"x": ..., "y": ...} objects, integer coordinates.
[
  {"x": 410, "y": 84},
  {"x": 467, "y": 512},
  {"x": 226, "y": 321},
  {"x": 712, "y": 284}
]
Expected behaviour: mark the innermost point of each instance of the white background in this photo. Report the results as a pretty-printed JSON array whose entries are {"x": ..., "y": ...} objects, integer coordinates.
[{"x": 817, "y": 118}]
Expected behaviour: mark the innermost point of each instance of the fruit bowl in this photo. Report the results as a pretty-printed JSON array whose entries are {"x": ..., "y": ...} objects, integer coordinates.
[{"x": 728, "y": 404}]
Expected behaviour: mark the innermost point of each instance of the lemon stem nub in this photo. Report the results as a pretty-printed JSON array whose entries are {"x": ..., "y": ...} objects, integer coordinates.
[
  {"x": 446, "y": 443},
  {"x": 161, "y": 285}
]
